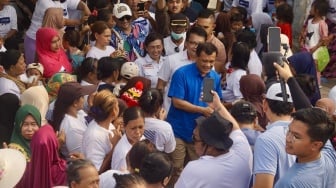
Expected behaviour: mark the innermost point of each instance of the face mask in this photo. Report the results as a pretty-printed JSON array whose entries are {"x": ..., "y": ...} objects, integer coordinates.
[{"x": 176, "y": 36}]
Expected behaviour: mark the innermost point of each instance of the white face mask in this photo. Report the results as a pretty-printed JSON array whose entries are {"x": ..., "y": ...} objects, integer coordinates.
[{"x": 176, "y": 36}]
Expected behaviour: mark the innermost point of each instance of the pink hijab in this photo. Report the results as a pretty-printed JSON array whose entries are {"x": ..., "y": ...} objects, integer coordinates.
[
  {"x": 46, "y": 168},
  {"x": 51, "y": 61}
]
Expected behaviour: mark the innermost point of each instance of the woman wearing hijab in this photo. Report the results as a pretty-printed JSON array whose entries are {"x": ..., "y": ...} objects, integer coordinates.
[
  {"x": 10, "y": 103},
  {"x": 50, "y": 52},
  {"x": 38, "y": 97},
  {"x": 253, "y": 90},
  {"x": 303, "y": 63},
  {"x": 46, "y": 168},
  {"x": 27, "y": 122}
]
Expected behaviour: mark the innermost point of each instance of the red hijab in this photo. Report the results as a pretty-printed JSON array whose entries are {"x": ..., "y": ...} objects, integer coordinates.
[
  {"x": 46, "y": 169},
  {"x": 51, "y": 61}
]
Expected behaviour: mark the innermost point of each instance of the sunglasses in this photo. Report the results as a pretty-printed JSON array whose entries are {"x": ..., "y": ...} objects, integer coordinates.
[{"x": 125, "y": 17}]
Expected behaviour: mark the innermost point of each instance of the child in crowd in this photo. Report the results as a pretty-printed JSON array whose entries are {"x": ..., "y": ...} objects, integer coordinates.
[
  {"x": 316, "y": 30},
  {"x": 237, "y": 22},
  {"x": 285, "y": 16},
  {"x": 71, "y": 40},
  {"x": 35, "y": 71}
]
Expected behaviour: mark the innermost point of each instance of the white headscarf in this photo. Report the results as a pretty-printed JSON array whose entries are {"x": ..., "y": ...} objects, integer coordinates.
[{"x": 38, "y": 97}]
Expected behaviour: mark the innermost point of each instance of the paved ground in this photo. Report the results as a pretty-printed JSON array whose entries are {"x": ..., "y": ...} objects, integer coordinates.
[{"x": 327, "y": 85}]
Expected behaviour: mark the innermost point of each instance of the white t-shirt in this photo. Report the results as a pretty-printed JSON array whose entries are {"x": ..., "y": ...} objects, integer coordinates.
[
  {"x": 232, "y": 169},
  {"x": 40, "y": 9},
  {"x": 106, "y": 179},
  {"x": 254, "y": 65},
  {"x": 74, "y": 129},
  {"x": 160, "y": 133},
  {"x": 232, "y": 89},
  {"x": 96, "y": 143},
  {"x": 9, "y": 86},
  {"x": 120, "y": 153},
  {"x": 171, "y": 64},
  {"x": 252, "y": 6},
  {"x": 170, "y": 46},
  {"x": 149, "y": 68},
  {"x": 8, "y": 20},
  {"x": 97, "y": 53}
]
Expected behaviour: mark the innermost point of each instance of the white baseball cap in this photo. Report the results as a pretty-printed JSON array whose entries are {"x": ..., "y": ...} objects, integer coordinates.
[
  {"x": 129, "y": 70},
  {"x": 274, "y": 93},
  {"x": 12, "y": 167},
  {"x": 121, "y": 9}
]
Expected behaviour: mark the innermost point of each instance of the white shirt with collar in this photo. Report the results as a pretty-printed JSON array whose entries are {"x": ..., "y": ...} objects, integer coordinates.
[
  {"x": 149, "y": 68},
  {"x": 170, "y": 46},
  {"x": 171, "y": 64}
]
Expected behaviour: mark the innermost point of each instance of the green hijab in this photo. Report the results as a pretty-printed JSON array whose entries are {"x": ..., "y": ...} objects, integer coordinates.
[{"x": 18, "y": 141}]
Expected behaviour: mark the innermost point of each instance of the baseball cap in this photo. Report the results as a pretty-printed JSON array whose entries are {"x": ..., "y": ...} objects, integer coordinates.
[
  {"x": 274, "y": 93},
  {"x": 215, "y": 131},
  {"x": 121, "y": 9},
  {"x": 12, "y": 167},
  {"x": 129, "y": 70},
  {"x": 71, "y": 91},
  {"x": 178, "y": 19}
]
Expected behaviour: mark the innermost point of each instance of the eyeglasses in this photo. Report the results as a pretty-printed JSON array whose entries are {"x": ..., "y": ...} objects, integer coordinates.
[
  {"x": 194, "y": 139},
  {"x": 125, "y": 17},
  {"x": 177, "y": 49}
]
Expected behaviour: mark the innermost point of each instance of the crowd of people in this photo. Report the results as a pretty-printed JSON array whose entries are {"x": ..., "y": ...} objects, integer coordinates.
[{"x": 165, "y": 93}]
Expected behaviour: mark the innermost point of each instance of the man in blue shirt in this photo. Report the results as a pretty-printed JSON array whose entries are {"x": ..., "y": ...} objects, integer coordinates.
[
  {"x": 307, "y": 138},
  {"x": 185, "y": 92}
]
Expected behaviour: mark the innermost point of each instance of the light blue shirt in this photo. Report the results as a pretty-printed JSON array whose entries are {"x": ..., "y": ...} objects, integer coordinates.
[
  {"x": 270, "y": 156},
  {"x": 318, "y": 173}
]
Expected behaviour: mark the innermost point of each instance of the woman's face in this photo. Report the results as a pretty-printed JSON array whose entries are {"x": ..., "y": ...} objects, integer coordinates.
[
  {"x": 134, "y": 130},
  {"x": 55, "y": 44},
  {"x": 154, "y": 49},
  {"x": 103, "y": 38},
  {"x": 20, "y": 67},
  {"x": 29, "y": 127}
]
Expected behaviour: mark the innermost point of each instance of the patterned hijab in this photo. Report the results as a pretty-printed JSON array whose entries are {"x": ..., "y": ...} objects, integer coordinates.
[
  {"x": 51, "y": 61},
  {"x": 55, "y": 83},
  {"x": 17, "y": 140}
]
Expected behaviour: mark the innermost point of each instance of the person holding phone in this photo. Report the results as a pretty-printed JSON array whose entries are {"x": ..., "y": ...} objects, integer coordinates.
[
  {"x": 185, "y": 92},
  {"x": 141, "y": 15}
]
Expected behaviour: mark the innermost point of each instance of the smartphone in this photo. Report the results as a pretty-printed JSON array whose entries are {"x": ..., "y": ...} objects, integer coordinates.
[
  {"x": 274, "y": 40},
  {"x": 208, "y": 85},
  {"x": 141, "y": 6}
]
